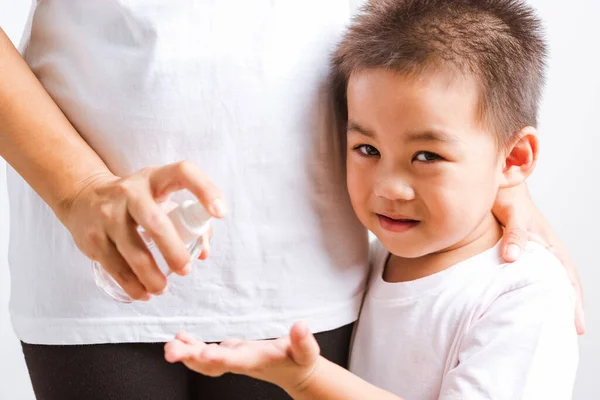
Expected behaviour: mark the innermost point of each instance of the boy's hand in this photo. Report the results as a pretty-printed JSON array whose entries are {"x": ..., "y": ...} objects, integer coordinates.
[
  {"x": 288, "y": 362},
  {"x": 523, "y": 221}
]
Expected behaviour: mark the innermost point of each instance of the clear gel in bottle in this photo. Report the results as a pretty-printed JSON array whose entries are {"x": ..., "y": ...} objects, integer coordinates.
[{"x": 191, "y": 221}]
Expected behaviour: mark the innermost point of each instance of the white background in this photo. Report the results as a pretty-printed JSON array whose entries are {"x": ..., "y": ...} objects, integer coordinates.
[{"x": 565, "y": 185}]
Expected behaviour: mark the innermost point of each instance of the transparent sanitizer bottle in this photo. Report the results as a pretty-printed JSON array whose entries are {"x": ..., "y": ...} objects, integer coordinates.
[{"x": 191, "y": 221}]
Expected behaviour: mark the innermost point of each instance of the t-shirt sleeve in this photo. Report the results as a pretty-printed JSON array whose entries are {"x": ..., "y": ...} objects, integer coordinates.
[{"x": 524, "y": 346}]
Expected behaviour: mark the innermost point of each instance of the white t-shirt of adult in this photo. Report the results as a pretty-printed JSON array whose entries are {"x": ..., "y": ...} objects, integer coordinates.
[
  {"x": 482, "y": 329},
  {"x": 238, "y": 87}
]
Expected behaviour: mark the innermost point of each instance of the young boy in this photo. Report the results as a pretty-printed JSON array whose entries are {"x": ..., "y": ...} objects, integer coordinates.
[{"x": 441, "y": 97}]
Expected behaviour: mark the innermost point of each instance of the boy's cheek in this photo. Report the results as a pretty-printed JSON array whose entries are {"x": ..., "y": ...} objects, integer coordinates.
[
  {"x": 360, "y": 195},
  {"x": 446, "y": 205},
  {"x": 359, "y": 184}
]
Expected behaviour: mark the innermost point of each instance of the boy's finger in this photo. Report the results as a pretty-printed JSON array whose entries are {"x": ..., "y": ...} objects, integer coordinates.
[
  {"x": 231, "y": 343},
  {"x": 304, "y": 346},
  {"x": 213, "y": 360},
  {"x": 186, "y": 338},
  {"x": 233, "y": 356},
  {"x": 177, "y": 351}
]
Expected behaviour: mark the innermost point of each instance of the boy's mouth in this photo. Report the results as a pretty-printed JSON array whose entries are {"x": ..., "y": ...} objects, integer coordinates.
[{"x": 396, "y": 223}]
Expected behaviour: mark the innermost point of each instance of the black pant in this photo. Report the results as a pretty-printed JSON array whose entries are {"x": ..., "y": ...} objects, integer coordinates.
[{"x": 130, "y": 371}]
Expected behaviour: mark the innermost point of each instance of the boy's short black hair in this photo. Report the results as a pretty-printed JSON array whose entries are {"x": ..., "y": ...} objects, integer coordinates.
[{"x": 498, "y": 42}]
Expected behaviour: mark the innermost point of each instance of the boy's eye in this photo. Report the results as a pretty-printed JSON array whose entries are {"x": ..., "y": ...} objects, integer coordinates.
[
  {"x": 426, "y": 156},
  {"x": 367, "y": 150}
]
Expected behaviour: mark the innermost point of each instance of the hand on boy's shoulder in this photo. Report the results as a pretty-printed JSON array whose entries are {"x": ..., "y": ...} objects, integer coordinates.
[{"x": 537, "y": 265}]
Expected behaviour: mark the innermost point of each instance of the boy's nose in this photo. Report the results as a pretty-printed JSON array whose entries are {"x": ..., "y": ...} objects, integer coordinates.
[{"x": 393, "y": 187}]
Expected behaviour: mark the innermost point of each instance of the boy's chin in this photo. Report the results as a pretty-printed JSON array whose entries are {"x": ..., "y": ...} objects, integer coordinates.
[{"x": 404, "y": 249}]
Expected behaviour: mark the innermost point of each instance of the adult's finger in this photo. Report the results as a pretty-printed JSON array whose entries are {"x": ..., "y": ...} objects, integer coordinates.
[
  {"x": 149, "y": 215},
  {"x": 138, "y": 257},
  {"x": 514, "y": 240},
  {"x": 187, "y": 175},
  {"x": 114, "y": 263},
  {"x": 205, "y": 245},
  {"x": 560, "y": 251}
]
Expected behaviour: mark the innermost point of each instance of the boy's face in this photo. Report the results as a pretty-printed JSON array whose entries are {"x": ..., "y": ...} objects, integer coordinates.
[{"x": 422, "y": 172}]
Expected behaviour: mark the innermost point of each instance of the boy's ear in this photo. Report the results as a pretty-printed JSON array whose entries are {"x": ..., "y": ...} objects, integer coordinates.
[{"x": 521, "y": 157}]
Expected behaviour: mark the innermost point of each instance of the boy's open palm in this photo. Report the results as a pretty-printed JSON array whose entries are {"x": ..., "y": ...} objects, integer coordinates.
[{"x": 289, "y": 361}]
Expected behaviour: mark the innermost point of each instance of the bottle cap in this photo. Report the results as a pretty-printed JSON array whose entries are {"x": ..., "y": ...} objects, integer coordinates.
[
  {"x": 194, "y": 214},
  {"x": 191, "y": 217}
]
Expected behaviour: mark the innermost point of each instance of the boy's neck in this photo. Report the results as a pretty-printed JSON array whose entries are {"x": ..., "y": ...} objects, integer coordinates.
[{"x": 484, "y": 237}]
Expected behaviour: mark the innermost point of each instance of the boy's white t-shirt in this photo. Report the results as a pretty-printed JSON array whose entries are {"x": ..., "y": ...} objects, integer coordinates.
[
  {"x": 238, "y": 87},
  {"x": 482, "y": 329}
]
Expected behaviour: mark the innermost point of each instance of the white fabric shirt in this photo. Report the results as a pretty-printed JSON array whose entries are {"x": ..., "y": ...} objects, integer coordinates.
[
  {"x": 237, "y": 87},
  {"x": 482, "y": 329}
]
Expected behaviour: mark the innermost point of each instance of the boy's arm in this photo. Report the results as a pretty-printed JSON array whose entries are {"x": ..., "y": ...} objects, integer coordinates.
[
  {"x": 291, "y": 362},
  {"x": 332, "y": 382},
  {"x": 524, "y": 346}
]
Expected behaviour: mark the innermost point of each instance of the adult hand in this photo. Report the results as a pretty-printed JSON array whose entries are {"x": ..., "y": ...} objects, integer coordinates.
[
  {"x": 106, "y": 210},
  {"x": 522, "y": 222}
]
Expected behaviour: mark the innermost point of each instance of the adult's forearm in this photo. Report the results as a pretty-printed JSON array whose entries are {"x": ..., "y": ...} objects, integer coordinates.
[{"x": 36, "y": 138}]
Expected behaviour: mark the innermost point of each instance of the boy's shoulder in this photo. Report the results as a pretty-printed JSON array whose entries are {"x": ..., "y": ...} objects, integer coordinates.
[
  {"x": 484, "y": 278},
  {"x": 537, "y": 265},
  {"x": 536, "y": 279}
]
